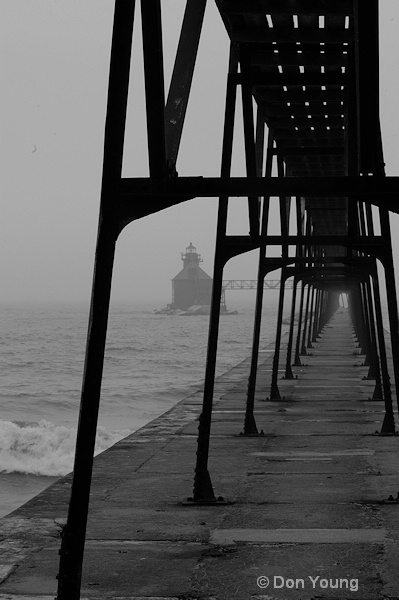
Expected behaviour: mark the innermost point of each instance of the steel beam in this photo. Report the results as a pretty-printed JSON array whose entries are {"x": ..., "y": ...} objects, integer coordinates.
[
  {"x": 203, "y": 490},
  {"x": 74, "y": 532},
  {"x": 388, "y": 425},
  {"x": 249, "y": 136},
  {"x": 288, "y": 370},
  {"x": 250, "y": 427},
  {"x": 376, "y": 190},
  {"x": 287, "y": 7},
  {"x": 154, "y": 87},
  {"x": 274, "y": 390},
  {"x": 282, "y": 35},
  {"x": 367, "y": 83},
  {"x": 180, "y": 85}
]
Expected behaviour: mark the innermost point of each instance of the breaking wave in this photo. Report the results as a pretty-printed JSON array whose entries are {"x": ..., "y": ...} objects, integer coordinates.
[{"x": 44, "y": 448}]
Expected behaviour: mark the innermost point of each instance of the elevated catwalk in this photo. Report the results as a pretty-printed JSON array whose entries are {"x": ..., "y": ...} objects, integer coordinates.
[{"x": 307, "y": 72}]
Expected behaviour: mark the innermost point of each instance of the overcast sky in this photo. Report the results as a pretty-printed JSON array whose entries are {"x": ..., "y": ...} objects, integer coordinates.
[{"x": 54, "y": 72}]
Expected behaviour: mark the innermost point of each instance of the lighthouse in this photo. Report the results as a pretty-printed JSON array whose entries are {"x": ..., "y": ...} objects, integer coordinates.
[{"x": 192, "y": 286}]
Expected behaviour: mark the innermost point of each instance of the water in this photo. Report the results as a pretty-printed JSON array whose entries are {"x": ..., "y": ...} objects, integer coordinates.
[{"x": 152, "y": 362}]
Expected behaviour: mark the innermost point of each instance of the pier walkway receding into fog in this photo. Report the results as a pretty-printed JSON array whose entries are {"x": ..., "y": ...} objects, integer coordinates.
[
  {"x": 317, "y": 200},
  {"x": 305, "y": 506},
  {"x": 307, "y": 499}
]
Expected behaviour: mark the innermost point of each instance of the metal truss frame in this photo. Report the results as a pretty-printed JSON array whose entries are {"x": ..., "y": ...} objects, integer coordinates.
[{"x": 339, "y": 157}]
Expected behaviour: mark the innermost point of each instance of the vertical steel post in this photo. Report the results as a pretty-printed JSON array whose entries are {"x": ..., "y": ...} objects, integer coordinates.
[
  {"x": 321, "y": 311},
  {"x": 306, "y": 323},
  {"x": 316, "y": 315},
  {"x": 288, "y": 370},
  {"x": 371, "y": 339},
  {"x": 248, "y": 121},
  {"x": 203, "y": 490},
  {"x": 311, "y": 318},
  {"x": 325, "y": 309},
  {"x": 250, "y": 427},
  {"x": 297, "y": 360},
  {"x": 300, "y": 253},
  {"x": 274, "y": 391},
  {"x": 391, "y": 298},
  {"x": 374, "y": 371},
  {"x": 358, "y": 316},
  {"x": 73, "y": 536},
  {"x": 368, "y": 359},
  {"x": 284, "y": 221},
  {"x": 154, "y": 87},
  {"x": 388, "y": 426}
]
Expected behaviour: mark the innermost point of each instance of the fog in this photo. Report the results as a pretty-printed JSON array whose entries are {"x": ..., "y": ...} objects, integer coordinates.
[{"x": 54, "y": 72}]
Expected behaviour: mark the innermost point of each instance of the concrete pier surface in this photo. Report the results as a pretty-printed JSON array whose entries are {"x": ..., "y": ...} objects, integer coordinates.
[{"x": 305, "y": 518}]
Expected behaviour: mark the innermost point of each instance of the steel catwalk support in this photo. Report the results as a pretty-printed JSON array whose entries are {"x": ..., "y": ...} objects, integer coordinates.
[
  {"x": 74, "y": 532},
  {"x": 388, "y": 427},
  {"x": 284, "y": 204},
  {"x": 315, "y": 315},
  {"x": 250, "y": 427},
  {"x": 362, "y": 327},
  {"x": 371, "y": 339},
  {"x": 323, "y": 296},
  {"x": 387, "y": 261},
  {"x": 288, "y": 370},
  {"x": 378, "y": 191},
  {"x": 163, "y": 188},
  {"x": 311, "y": 318},
  {"x": 368, "y": 360},
  {"x": 274, "y": 391},
  {"x": 385, "y": 380},
  {"x": 306, "y": 321},
  {"x": 353, "y": 311},
  {"x": 203, "y": 491},
  {"x": 386, "y": 256},
  {"x": 154, "y": 88},
  {"x": 300, "y": 252},
  {"x": 328, "y": 297},
  {"x": 180, "y": 85},
  {"x": 297, "y": 359},
  {"x": 375, "y": 369},
  {"x": 367, "y": 83},
  {"x": 249, "y": 137},
  {"x": 327, "y": 308},
  {"x": 358, "y": 317},
  {"x": 367, "y": 349},
  {"x": 315, "y": 331},
  {"x": 389, "y": 422},
  {"x": 332, "y": 308}
]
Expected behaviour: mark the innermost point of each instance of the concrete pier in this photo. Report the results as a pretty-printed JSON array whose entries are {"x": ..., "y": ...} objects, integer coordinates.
[{"x": 306, "y": 514}]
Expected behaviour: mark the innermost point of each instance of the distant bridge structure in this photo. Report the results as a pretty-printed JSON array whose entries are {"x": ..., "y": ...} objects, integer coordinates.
[{"x": 252, "y": 284}]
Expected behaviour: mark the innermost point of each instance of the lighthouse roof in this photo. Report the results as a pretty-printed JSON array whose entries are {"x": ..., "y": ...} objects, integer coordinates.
[{"x": 192, "y": 272}]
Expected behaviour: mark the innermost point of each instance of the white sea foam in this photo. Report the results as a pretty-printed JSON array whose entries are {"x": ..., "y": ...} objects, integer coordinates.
[
  {"x": 152, "y": 362},
  {"x": 44, "y": 448}
]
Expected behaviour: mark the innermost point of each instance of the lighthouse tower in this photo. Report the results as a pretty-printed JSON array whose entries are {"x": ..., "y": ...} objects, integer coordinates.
[{"x": 192, "y": 286}]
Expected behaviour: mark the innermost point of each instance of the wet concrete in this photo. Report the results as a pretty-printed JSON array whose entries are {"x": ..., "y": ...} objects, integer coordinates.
[{"x": 306, "y": 518}]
